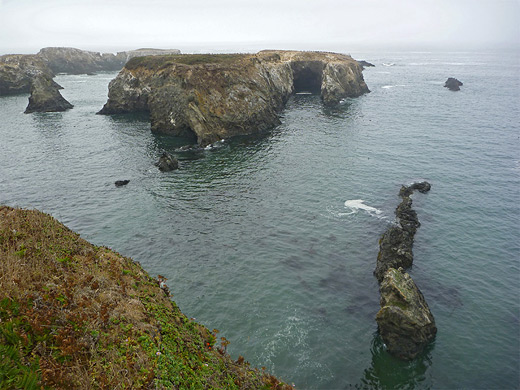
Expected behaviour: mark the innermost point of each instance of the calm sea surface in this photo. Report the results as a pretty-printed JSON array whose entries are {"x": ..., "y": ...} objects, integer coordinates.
[{"x": 255, "y": 238}]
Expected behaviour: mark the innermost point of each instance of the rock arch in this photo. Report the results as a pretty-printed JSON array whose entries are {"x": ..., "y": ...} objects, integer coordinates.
[{"x": 307, "y": 76}]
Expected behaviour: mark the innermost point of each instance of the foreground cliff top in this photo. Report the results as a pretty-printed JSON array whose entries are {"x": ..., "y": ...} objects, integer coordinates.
[{"x": 73, "y": 315}]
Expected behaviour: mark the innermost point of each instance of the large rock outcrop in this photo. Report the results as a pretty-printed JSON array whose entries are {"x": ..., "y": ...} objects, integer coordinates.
[
  {"x": 405, "y": 321},
  {"x": 395, "y": 245},
  {"x": 219, "y": 96}
]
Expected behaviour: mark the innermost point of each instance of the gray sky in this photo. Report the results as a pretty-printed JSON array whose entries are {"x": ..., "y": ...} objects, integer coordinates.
[{"x": 238, "y": 25}]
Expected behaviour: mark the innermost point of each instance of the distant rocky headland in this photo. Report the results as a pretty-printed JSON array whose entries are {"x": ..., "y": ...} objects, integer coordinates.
[
  {"x": 78, "y": 316},
  {"x": 34, "y": 73},
  {"x": 216, "y": 96}
]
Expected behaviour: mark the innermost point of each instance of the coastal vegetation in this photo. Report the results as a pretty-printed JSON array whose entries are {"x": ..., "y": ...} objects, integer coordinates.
[{"x": 75, "y": 315}]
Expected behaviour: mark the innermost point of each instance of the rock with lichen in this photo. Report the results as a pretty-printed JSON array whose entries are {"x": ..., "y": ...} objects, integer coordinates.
[
  {"x": 214, "y": 97},
  {"x": 405, "y": 321}
]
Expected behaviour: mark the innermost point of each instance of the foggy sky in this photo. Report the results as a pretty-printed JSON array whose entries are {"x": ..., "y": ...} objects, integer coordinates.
[{"x": 28, "y": 25}]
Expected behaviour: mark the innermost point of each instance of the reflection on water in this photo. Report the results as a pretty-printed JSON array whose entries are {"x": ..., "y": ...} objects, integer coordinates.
[{"x": 388, "y": 372}]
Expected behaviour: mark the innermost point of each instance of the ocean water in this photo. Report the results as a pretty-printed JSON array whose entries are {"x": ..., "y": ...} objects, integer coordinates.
[{"x": 272, "y": 239}]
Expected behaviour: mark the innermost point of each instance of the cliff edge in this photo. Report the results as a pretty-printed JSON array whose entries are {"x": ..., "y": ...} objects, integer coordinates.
[
  {"x": 73, "y": 315},
  {"x": 217, "y": 96}
]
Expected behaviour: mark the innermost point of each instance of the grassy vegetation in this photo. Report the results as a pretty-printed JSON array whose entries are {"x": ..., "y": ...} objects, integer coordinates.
[
  {"x": 156, "y": 62},
  {"x": 77, "y": 316}
]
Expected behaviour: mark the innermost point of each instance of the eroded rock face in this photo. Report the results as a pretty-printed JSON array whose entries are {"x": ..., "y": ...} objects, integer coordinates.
[
  {"x": 405, "y": 321},
  {"x": 18, "y": 70},
  {"x": 220, "y": 96},
  {"x": 395, "y": 245},
  {"x": 453, "y": 84}
]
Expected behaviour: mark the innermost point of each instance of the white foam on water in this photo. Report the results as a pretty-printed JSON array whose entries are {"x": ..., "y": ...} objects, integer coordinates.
[
  {"x": 358, "y": 204},
  {"x": 392, "y": 86}
]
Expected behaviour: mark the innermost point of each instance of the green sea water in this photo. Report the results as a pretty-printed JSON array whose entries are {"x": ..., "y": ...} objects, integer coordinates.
[{"x": 254, "y": 235}]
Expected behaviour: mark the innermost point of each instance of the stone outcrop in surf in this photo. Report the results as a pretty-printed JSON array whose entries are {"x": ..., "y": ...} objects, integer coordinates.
[
  {"x": 46, "y": 97},
  {"x": 453, "y": 84},
  {"x": 214, "y": 97},
  {"x": 405, "y": 321},
  {"x": 395, "y": 246},
  {"x": 167, "y": 162}
]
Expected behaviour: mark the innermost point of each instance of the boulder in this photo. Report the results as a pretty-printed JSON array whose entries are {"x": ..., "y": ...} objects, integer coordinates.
[
  {"x": 167, "y": 162},
  {"x": 45, "y": 96},
  {"x": 214, "y": 97},
  {"x": 120, "y": 183},
  {"x": 405, "y": 321},
  {"x": 453, "y": 84}
]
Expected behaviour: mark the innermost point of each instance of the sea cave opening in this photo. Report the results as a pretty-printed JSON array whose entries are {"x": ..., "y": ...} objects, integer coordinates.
[{"x": 307, "y": 76}]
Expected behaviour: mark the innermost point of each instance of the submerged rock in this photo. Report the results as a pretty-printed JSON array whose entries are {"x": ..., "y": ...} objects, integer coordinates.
[
  {"x": 453, "y": 84},
  {"x": 405, "y": 321},
  {"x": 167, "y": 162},
  {"x": 219, "y": 96},
  {"x": 395, "y": 245}
]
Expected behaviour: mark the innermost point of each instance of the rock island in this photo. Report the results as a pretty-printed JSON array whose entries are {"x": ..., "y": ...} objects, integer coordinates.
[{"x": 216, "y": 96}]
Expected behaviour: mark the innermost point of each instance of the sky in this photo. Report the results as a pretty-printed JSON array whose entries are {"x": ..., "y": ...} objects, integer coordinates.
[{"x": 248, "y": 25}]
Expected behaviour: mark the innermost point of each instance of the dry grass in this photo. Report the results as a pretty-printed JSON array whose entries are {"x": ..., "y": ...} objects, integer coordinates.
[{"x": 73, "y": 315}]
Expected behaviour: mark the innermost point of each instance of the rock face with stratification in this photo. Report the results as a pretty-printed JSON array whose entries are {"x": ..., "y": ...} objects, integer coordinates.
[
  {"x": 214, "y": 97},
  {"x": 405, "y": 321},
  {"x": 28, "y": 73}
]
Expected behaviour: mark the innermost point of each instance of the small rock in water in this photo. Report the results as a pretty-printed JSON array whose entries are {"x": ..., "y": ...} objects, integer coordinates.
[
  {"x": 453, "y": 84},
  {"x": 167, "y": 163},
  {"x": 120, "y": 183}
]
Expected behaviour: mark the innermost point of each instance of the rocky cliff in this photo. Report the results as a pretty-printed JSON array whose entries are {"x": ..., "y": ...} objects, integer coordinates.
[
  {"x": 219, "y": 96},
  {"x": 33, "y": 74},
  {"x": 77, "y": 316},
  {"x": 30, "y": 74},
  {"x": 75, "y": 61}
]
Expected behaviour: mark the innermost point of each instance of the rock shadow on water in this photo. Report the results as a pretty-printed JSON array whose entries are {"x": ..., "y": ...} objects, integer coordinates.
[{"x": 389, "y": 372}]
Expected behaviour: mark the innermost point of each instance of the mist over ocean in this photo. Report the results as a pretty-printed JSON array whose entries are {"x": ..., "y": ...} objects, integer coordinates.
[{"x": 256, "y": 240}]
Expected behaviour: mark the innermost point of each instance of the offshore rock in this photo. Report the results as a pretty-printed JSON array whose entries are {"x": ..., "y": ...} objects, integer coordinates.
[
  {"x": 395, "y": 245},
  {"x": 453, "y": 84},
  {"x": 167, "y": 163},
  {"x": 405, "y": 321},
  {"x": 45, "y": 96},
  {"x": 215, "y": 97}
]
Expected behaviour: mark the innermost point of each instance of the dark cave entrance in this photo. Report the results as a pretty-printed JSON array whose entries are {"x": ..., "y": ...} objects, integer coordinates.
[{"x": 307, "y": 76}]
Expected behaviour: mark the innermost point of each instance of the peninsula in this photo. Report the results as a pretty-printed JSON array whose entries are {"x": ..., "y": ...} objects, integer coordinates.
[{"x": 216, "y": 96}]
